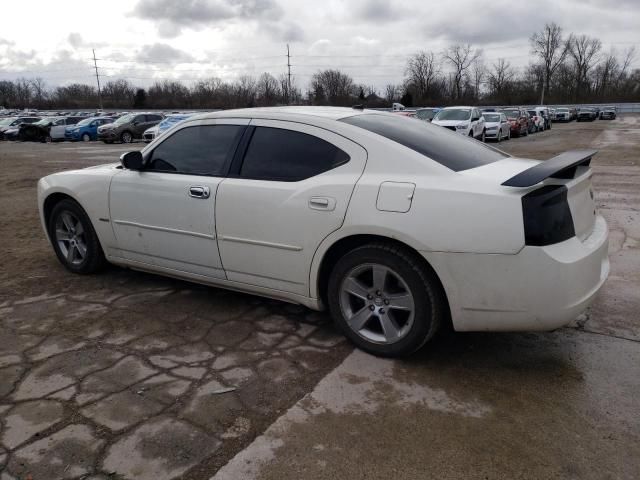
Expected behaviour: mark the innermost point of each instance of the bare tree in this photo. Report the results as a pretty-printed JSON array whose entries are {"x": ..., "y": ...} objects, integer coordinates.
[
  {"x": 479, "y": 71},
  {"x": 391, "y": 93},
  {"x": 500, "y": 76},
  {"x": 460, "y": 57},
  {"x": 583, "y": 50},
  {"x": 421, "y": 71},
  {"x": 629, "y": 55},
  {"x": 268, "y": 89},
  {"x": 551, "y": 49},
  {"x": 332, "y": 86}
]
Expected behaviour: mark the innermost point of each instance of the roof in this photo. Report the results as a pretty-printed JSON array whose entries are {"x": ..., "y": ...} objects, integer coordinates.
[{"x": 330, "y": 113}]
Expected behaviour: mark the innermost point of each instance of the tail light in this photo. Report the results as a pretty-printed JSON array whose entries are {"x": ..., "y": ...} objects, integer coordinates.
[{"x": 547, "y": 216}]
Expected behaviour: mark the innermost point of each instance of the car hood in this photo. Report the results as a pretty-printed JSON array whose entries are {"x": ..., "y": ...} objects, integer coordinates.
[
  {"x": 450, "y": 123},
  {"x": 153, "y": 129}
]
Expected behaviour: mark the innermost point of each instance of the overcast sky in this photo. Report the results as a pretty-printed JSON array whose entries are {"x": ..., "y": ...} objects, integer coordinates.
[{"x": 142, "y": 40}]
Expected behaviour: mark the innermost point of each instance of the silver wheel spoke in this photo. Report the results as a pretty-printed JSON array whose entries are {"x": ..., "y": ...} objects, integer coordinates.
[
  {"x": 79, "y": 228},
  {"x": 355, "y": 288},
  {"x": 391, "y": 333},
  {"x": 359, "y": 319},
  {"x": 402, "y": 301},
  {"x": 63, "y": 235},
  {"x": 68, "y": 221},
  {"x": 379, "y": 277},
  {"x": 82, "y": 250},
  {"x": 70, "y": 251}
]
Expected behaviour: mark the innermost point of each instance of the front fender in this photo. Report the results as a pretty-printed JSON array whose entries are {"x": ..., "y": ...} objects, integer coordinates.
[{"x": 88, "y": 187}]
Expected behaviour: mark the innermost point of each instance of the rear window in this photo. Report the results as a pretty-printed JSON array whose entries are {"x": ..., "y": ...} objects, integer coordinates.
[{"x": 438, "y": 143}]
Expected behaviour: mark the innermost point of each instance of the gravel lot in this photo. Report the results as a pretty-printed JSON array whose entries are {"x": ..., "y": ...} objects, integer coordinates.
[{"x": 126, "y": 375}]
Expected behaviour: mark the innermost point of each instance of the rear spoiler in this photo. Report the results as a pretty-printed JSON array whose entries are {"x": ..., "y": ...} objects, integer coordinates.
[{"x": 560, "y": 166}]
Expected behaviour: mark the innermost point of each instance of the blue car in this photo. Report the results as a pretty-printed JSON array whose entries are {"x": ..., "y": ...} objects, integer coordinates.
[{"x": 86, "y": 129}]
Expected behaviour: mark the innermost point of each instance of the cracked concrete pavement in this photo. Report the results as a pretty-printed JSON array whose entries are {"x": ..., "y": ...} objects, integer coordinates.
[{"x": 126, "y": 375}]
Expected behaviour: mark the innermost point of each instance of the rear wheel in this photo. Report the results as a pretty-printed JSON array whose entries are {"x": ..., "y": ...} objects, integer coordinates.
[
  {"x": 126, "y": 137},
  {"x": 383, "y": 301},
  {"x": 74, "y": 239}
]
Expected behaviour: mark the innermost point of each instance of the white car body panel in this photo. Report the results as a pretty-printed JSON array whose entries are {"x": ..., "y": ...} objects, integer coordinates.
[
  {"x": 464, "y": 127},
  {"x": 267, "y": 238}
]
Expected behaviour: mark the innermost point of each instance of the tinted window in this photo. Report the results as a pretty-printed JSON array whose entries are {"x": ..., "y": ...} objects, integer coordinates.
[
  {"x": 201, "y": 150},
  {"x": 440, "y": 144},
  {"x": 288, "y": 156},
  {"x": 138, "y": 119},
  {"x": 153, "y": 118}
]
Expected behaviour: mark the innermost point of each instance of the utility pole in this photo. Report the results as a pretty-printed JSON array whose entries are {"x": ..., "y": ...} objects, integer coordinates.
[
  {"x": 289, "y": 76},
  {"x": 95, "y": 64}
]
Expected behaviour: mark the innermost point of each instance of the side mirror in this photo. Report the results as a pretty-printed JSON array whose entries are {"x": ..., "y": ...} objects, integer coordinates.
[{"x": 132, "y": 160}]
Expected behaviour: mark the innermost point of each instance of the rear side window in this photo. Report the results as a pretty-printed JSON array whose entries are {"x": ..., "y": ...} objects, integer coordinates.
[
  {"x": 438, "y": 143},
  {"x": 288, "y": 156},
  {"x": 199, "y": 150},
  {"x": 153, "y": 118}
]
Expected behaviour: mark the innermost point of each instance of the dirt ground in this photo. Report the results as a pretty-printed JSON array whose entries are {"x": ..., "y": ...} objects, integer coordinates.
[{"x": 128, "y": 375}]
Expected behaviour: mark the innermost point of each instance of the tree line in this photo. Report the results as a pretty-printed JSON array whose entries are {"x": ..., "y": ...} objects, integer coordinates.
[{"x": 563, "y": 69}]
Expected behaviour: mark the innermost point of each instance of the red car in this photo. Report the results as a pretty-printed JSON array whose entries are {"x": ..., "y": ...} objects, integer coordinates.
[{"x": 518, "y": 119}]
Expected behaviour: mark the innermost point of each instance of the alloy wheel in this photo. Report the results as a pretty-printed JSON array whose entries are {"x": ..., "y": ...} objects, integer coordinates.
[
  {"x": 377, "y": 303},
  {"x": 70, "y": 237},
  {"x": 126, "y": 137}
]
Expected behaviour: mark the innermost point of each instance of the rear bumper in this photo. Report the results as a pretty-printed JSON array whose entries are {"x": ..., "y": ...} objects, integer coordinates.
[{"x": 538, "y": 289}]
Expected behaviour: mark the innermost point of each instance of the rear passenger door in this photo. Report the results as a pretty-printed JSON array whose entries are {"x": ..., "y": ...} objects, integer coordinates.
[{"x": 288, "y": 189}]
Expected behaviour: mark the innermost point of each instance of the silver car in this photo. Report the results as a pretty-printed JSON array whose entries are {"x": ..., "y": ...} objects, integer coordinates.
[{"x": 497, "y": 126}]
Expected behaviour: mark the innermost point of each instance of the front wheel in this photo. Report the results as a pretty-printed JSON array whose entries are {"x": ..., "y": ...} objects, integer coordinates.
[
  {"x": 483, "y": 137},
  {"x": 499, "y": 136},
  {"x": 384, "y": 301},
  {"x": 86, "y": 137},
  {"x": 74, "y": 239}
]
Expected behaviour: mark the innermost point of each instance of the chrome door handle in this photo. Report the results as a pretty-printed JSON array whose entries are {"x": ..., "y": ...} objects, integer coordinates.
[{"x": 199, "y": 192}]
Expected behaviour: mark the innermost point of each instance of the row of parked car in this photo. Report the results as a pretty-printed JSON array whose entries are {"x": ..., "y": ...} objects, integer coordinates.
[
  {"x": 502, "y": 123},
  {"x": 110, "y": 128}
]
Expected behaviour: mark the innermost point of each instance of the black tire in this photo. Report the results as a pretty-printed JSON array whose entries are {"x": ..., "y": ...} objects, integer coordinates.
[
  {"x": 483, "y": 137},
  {"x": 94, "y": 258},
  {"x": 126, "y": 137},
  {"x": 430, "y": 306},
  {"x": 86, "y": 137},
  {"x": 48, "y": 139}
]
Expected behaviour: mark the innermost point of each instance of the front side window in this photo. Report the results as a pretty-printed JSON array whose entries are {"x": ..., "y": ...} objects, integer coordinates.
[
  {"x": 198, "y": 150},
  {"x": 288, "y": 156}
]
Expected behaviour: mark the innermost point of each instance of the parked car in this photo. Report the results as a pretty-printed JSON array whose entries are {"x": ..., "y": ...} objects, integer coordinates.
[
  {"x": 545, "y": 113},
  {"x": 86, "y": 130},
  {"x": 467, "y": 121},
  {"x": 608, "y": 113},
  {"x": 586, "y": 114},
  {"x": 426, "y": 114},
  {"x": 537, "y": 120},
  {"x": 309, "y": 209},
  {"x": 518, "y": 119},
  {"x": 165, "y": 125},
  {"x": 128, "y": 127},
  {"x": 37, "y": 131},
  {"x": 11, "y": 123},
  {"x": 574, "y": 113},
  {"x": 563, "y": 114},
  {"x": 497, "y": 126}
]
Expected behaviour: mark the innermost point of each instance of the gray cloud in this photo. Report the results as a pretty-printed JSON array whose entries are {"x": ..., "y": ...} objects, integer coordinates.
[
  {"x": 163, "y": 53},
  {"x": 75, "y": 40},
  {"x": 379, "y": 10},
  {"x": 171, "y": 16}
]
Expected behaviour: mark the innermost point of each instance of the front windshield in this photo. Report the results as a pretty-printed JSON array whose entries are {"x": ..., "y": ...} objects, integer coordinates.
[
  {"x": 491, "y": 117},
  {"x": 453, "y": 114},
  {"x": 84, "y": 122},
  {"x": 511, "y": 113},
  {"x": 46, "y": 121},
  {"x": 562, "y": 110},
  {"x": 173, "y": 120},
  {"x": 425, "y": 114},
  {"x": 7, "y": 121},
  {"x": 125, "y": 119}
]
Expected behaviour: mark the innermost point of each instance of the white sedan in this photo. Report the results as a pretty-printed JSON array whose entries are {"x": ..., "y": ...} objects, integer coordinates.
[{"x": 396, "y": 226}]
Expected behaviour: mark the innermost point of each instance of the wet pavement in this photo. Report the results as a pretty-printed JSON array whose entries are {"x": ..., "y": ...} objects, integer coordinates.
[{"x": 125, "y": 375}]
